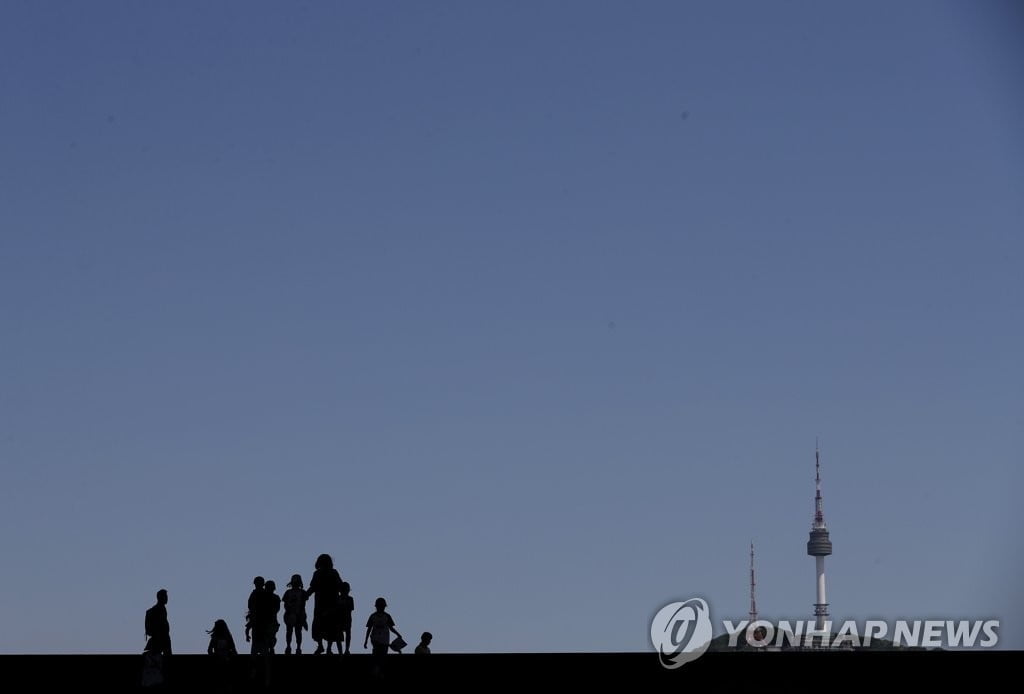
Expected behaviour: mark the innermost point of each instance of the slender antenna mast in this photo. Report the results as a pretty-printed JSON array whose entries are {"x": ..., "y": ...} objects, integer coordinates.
[
  {"x": 819, "y": 512},
  {"x": 753, "y": 599}
]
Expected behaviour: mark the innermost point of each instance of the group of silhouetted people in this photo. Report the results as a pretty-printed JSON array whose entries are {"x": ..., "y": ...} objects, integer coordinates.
[
  {"x": 261, "y": 623},
  {"x": 333, "y": 606}
]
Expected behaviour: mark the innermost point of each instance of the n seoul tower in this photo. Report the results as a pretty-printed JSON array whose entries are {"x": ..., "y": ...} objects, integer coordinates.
[{"x": 819, "y": 545}]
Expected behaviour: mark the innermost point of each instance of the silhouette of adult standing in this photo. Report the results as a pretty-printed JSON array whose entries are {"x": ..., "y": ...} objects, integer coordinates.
[
  {"x": 158, "y": 629},
  {"x": 326, "y": 586}
]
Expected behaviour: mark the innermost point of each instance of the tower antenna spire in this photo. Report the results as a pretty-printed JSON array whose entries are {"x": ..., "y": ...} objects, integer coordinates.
[
  {"x": 753, "y": 584},
  {"x": 819, "y": 511}
]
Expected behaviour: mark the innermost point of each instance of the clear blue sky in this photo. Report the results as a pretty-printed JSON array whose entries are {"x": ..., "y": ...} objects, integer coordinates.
[{"x": 529, "y": 313}]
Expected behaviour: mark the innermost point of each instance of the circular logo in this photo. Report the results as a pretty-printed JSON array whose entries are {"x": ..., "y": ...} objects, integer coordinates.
[{"x": 681, "y": 632}]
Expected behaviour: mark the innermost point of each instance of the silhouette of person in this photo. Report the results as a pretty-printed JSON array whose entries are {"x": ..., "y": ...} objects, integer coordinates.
[
  {"x": 257, "y": 588},
  {"x": 294, "y": 600},
  {"x": 326, "y": 586},
  {"x": 221, "y": 642},
  {"x": 347, "y": 607},
  {"x": 158, "y": 629},
  {"x": 424, "y": 647},
  {"x": 222, "y": 647},
  {"x": 379, "y": 627},
  {"x": 252, "y": 607},
  {"x": 158, "y": 644},
  {"x": 270, "y": 623}
]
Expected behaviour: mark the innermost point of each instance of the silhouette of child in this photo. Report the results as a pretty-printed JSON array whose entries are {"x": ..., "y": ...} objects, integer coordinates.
[
  {"x": 273, "y": 607},
  {"x": 221, "y": 642},
  {"x": 424, "y": 647},
  {"x": 379, "y": 628},
  {"x": 295, "y": 620},
  {"x": 346, "y": 607},
  {"x": 222, "y": 647}
]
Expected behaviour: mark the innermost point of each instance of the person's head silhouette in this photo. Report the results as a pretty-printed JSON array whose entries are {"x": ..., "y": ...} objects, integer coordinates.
[
  {"x": 258, "y": 582},
  {"x": 324, "y": 561},
  {"x": 161, "y": 596},
  {"x": 296, "y": 581},
  {"x": 380, "y": 604},
  {"x": 220, "y": 628}
]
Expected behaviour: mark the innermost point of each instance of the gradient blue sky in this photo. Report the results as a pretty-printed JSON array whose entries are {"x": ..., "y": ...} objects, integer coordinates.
[{"x": 529, "y": 313}]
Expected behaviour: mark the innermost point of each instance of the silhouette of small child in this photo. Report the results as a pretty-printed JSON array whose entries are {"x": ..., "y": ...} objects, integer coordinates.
[
  {"x": 222, "y": 648},
  {"x": 295, "y": 619},
  {"x": 273, "y": 607},
  {"x": 379, "y": 628},
  {"x": 424, "y": 647},
  {"x": 346, "y": 607},
  {"x": 221, "y": 641}
]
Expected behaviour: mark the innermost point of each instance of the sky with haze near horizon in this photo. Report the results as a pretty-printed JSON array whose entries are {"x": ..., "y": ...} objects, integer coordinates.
[{"x": 528, "y": 313}]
